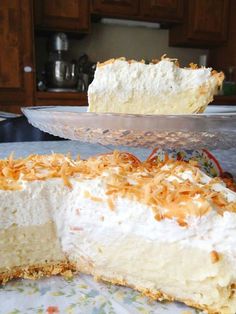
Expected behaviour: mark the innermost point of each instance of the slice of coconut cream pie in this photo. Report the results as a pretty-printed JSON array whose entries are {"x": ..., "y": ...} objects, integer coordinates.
[
  {"x": 165, "y": 229},
  {"x": 121, "y": 86}
]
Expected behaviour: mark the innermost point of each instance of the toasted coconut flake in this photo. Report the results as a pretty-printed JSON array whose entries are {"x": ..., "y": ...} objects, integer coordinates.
[
  {"x": 10, "y": 160},
  {"x": 87, "y": 194},
  {"x": 193, "y": 66},
  {"x": 214, "y": 257},
  {"x": 111, "y": 203},
  {"x": 66, "y": 180},
  {"x": 147, "y": 182}
]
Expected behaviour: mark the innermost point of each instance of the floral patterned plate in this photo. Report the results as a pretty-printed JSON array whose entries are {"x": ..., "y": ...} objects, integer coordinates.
[
  {"x": 82, "y": 295},
  {"x": 207, "y": 162}
]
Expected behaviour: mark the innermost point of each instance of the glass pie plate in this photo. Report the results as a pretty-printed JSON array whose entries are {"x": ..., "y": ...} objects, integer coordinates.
[{"x": 215, "y": 128}]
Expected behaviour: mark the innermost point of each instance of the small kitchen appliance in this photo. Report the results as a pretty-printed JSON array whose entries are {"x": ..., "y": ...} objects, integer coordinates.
[{"x": 61, "y": 74}]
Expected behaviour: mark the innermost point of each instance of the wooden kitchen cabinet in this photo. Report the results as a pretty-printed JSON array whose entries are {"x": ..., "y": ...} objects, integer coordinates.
[
  {"x": 223, "y": 58},
  {"x": 116, "y": 8},
  {"x": 162, "y": 10},
  {"x": 16, "y": 55},
  {"x": 147, "y": 10},
  {"x": 61, "y": 99},
  {"x": 205, "y": 24},
  {"x": 61, "y": 15}
]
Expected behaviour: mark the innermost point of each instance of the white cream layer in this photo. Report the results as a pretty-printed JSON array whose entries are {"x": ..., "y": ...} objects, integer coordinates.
[
  {"x": 42, "y": 201},
  {"x": 150, "y": 88}
]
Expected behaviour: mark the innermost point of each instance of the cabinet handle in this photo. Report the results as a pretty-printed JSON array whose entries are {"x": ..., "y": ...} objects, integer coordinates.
[{"x": 28, "y": 69}]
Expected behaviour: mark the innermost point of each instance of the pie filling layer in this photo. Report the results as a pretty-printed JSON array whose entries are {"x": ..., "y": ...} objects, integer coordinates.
[
  {"x": 169, "y": 268},
  {"x": 165, "y": 229},
  {"x": 29, "y": 245}
]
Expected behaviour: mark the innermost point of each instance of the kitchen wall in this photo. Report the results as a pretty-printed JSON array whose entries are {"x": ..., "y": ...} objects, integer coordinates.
[{"x": 112, "y": 41}]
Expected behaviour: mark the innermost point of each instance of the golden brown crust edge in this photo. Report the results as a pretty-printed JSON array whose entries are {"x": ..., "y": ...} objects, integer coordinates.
[
  {"x": 157, "y": 295},
  {"x": 64, "y": 268}
]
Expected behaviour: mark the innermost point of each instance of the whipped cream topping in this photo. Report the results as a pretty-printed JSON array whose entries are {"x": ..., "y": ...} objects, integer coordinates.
[{"x": 165, "y": 76}]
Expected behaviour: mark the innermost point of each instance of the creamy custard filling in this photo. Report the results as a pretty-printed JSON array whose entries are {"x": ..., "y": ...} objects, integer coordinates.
[
  {"x": 172, "y": 269},
  {"x": 29, "y": 245},
  {"x": 189, "y": 101}
]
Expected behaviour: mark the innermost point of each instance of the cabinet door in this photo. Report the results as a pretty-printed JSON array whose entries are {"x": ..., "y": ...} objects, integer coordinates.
[
  {"x": 16, "y": 55},
  {"x": 163, "y": 10},
  {"x": 69, "y": 15},
  {"x": 224, "y": 57},
  {"x": 205, "y": 24},
  {"x": 208, "y": 19},
  {"x": 115, "y": 8}
]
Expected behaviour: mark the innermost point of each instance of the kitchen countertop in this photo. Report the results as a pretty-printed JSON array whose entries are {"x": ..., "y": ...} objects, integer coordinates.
[{"x": 18, "y": 129}]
